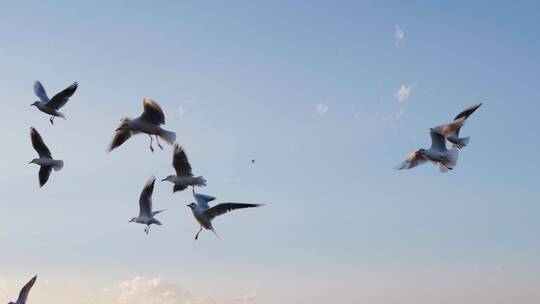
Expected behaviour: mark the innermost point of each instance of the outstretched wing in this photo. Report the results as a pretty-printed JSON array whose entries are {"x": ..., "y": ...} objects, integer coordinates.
[
  {"x": 438, "y": 141},
  {"x": 414, "y": 159},
  {"x": 466, "y": 113},
  {"x": 119, "y": 138},
  {"x": 23, "y": 295},
  {"x": 44, "y": 173},
  {"x": 227, "y": 207},
  {"x": 181, "y": 162},
  {"x": 60, "y": 99},
  {"x": 450, "y": 128},
  {"x": 39, "y": 145},
  {"x": 152, "y": 112},
  {"x": 203, "y": 200},
  {"x": 145, "y": 200},
  {"x": 40, "y": 92}
]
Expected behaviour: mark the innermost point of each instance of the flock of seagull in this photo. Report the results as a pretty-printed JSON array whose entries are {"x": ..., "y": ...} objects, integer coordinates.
[{"x": 150, "y": 122}]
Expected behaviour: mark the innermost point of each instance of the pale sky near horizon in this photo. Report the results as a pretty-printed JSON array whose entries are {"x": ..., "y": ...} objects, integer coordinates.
[{"x": 327, "y": 97}]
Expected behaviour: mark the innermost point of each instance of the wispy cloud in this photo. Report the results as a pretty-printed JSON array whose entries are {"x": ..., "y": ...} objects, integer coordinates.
[
  {"x": 404, "y": 91},
  {"x": 181, "y": 111},
  {"x": 321, "y": 109},
  {"x": 142, "y": 290},
  {"x": 399, "y": 35}
]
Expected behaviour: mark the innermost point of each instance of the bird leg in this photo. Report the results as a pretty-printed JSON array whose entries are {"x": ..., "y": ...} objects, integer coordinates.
[
  {"x": 159, "y": 145},
  {"x": 52, "y": 120},
  {"x": 151, "y": 148},
  {"x": 147, "y": 229},
  {"x": 197, "y": 235},
  {"x": 193, "y": 189}
]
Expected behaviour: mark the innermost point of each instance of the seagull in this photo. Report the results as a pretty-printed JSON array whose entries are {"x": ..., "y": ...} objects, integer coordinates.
[
  {"x": 204, "y": 214},
  {"x": 149, "y": 123},
  {"x": 454, "y": 138},
  {"x": 45, "y": 159},
  {"x": 51, "y": 106},
  {"x": 438, "y": 154},
  {"x": 146, "y": 215},
  {"x": 23, "y": 295},
  {"x": 183, "y": 177}
]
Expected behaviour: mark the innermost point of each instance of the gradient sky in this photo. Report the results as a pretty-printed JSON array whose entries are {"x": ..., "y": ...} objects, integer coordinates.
[{"x": 308, "y": 89}]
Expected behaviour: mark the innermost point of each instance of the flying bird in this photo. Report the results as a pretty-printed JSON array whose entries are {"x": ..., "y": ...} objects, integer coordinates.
[
  {"x": 23, "y": 295},
  {"x": 184, "y": 177},
  {"x": 204, "y": 214},
  {"x": 454, "y": 138},
  {"x": 146, "y": 215},
  {"x": 53, "y": 105},
  {"x": 45, "y": 160},
  {"x": 149, "y": 122},
  {"x": 437, "y": 153}
]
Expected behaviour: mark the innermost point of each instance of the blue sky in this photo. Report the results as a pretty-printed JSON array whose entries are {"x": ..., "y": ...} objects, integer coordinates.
[{"x": 308, "y": 89}]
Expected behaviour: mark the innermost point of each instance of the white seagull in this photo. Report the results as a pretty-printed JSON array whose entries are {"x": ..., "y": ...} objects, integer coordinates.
[
  {"x": 23, "y": 295},
  {"x": 148, "y": 122},
  {"x": 146, "y": 215},
  {"x": 204, "y": 214},
  {"x": 51, "y": 106},
  {"x": 184, "y": 177},
  {"x": 437, "y": 153},
  {"x": 454, "y": 138},
  {"x": 45, "y": 159}
]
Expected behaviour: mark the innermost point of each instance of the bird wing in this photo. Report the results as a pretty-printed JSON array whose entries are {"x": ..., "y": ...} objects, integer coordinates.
[
  {"x": 438, "y": 141},
  {"x": 40, "y": 92},
  {"x": 203, "y": 200},
  {"x": 39, "y": 145},
  {"x": 23, "y": 295},
  {"x": 119, "y": 138},
  {"x": 450, "y": 128},
  {"x": 414, "y": 159},
  {"x": 466, "y": 113},
  {"x": 181, "y": 162},
  {"x": 226, "y": 207},
  {"x": 179, "y": 188},
  {"x": 44, "y": 173},
  {"x": 152, "y": 112},
  {"x": 61, "y": 98},
  {"x": 145, "y": 200}
]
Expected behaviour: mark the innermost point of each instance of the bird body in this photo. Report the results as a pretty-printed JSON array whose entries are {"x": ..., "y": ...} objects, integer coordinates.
[
  {"x": 146, "y": 214},
  {"x": 437, "y": 153},
  {"x": 53, "y": 105},
  {"x": 45, "y": 160},
  {"x": 184, "y": 177},
  {"x": 149, "y": 122},
  {"x": 204, "y": 214}
]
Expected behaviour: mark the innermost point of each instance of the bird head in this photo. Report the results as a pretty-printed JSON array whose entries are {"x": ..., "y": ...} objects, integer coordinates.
[
  {"x": 192, "y": 206},
  {"x": 421, "y": 151},
  {"x": 35, "y": 103},
  {"x": 168, "y": 178},
  {"x": 33, "y": 161},
  {"x": 125, "y": 123}
]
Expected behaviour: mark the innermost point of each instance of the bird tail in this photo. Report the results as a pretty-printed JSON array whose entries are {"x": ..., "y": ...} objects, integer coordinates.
[
  {"x": 200, "y": 181},
  {"x": 168, "y": 136},
  {"x": 154, "y": 221},
  {"x": 58, "y": 166},
  {"x": 60, "y": 114},
  {"x": 463, "y": 142},
  {"x": 452, "y": 156},
  {"x": 159, "y": 211},
  {"x": 214, "y": 231}
]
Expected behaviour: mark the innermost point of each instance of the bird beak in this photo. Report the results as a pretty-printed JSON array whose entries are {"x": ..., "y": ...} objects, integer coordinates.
[
  {"x": 187, "y": 205},
  {"x": 118, "y": 129},
  {"x": 163, "y": 179}
]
